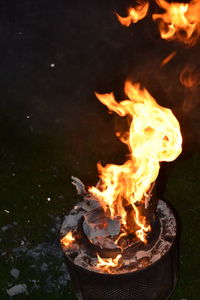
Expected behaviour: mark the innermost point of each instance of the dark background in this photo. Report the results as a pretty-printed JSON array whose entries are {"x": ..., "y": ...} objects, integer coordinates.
[{"x": 53, "y": 56}]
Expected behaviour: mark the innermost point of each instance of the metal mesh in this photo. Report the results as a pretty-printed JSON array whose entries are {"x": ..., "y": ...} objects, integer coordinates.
[{"x": 153, "y": 283}]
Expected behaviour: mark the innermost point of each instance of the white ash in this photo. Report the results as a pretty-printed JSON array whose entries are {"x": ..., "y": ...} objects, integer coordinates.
[
  {"x": 44, "y": 260},
  {"x": 17, "y": 289},
  {"x": 107, "y": 243},
  {"x": 15, "y": 273},
  {"x": 89, "y": 203},
  {"x": 141, "y": 254},
  {"x": 168, "y": 218},
  {"x": 83, "y": 258},
  {"x": 113, "y": 227},
  {"x": 98, "y": 227},
  {"x": 6, "y": 227},
  {"x": 35, "y": 283},
  {"x": 156, "y": 257},
  {"x": 81, "y": 190},
  {"x": 80, "y": 187},
  {"x": 71, "y": 221},
  {"x": 44, "y": 267}
]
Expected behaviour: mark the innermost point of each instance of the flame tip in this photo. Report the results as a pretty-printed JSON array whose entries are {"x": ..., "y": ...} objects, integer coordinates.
[{"x": 153, "y": 138}]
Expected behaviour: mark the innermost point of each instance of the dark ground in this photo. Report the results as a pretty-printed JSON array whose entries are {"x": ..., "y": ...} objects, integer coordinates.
[{"x": 52, "y": 127}]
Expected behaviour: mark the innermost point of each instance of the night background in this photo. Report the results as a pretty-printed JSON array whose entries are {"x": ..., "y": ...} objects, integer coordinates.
[{"x": 53, "y": 56}]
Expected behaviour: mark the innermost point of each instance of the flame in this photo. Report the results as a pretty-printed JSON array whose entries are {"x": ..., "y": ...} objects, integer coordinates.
[
  {"x": 106, "y": 264},
  {"x": 180, "y": 21},
  {"x": 154, "y": 136},
  {"x": 190, "y": 77},
  {"x": 135, "y": 14},
  {"x": 120, "y": 236},
  {"x": 140, "y": 221},
  {"x": 68, "y": 239},
  {"x": 168, "y": 58}
]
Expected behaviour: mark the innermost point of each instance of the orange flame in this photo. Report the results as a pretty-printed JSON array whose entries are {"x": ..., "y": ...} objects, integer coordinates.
[
  {"x": 135, "y": 14},
  {"x": 168, "y": 58},
  {"x": 154, "y": 136},
  {"x": 190, "y": 77},
  {"x": 106, "y": 264},
  {"x": 180, "y": 20},
  {"x": 140, "y": 221},
  {"x": 68, "y": 239}
]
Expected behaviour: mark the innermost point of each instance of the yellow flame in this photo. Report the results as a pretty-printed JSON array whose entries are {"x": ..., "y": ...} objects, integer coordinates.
[
  {"x": 106, "y": 264},
  {"x": 135, "y": 14},
  {"x": 154, "y": 136},
  {"x": 68, "y": 239},
  {"x": 180, "y": 21},
  {"x": 140, "y": 221}
]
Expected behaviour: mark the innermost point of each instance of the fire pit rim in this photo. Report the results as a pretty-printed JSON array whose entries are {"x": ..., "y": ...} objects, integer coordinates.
[
  {"x": 127, "y": 273},
  {"x": 175, "y": 238}
]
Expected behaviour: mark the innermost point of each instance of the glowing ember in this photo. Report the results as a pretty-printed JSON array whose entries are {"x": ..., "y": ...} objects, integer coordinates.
[
  {"x": 135, "y": 14},
  {"x": 68, "y": 239},
  {"x": 180, "y": 20},
  {"x": 106, "y": 264},
  {"x": 168, "y": 58},
  {"x": 154, "y": 136}
]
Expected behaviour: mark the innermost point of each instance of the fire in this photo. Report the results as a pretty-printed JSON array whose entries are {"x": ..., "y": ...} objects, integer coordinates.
[
  {"x": 140, "y": 233},
  {"x": 168, "y": 58},
  {"x": 135, "y": 14},
  {"x": 68, "y": 239},
  {"x": 190, "y": 77},
  {"x": 154, "y": 136},
  {"x": 180, "y": 21},
  {"x": 106, "y": 264}
]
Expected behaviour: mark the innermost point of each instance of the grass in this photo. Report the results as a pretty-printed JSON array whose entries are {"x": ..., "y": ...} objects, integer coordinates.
[{"x": 182, "y": 191}]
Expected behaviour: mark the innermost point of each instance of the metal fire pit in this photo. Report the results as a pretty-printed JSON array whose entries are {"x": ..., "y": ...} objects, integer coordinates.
[{"x": 156, "y": 281}]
